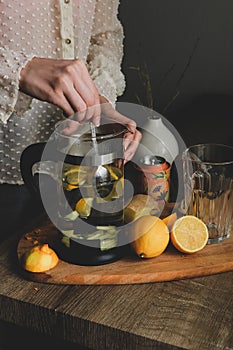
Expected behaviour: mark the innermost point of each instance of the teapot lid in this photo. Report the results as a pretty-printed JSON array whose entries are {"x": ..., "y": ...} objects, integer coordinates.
[
  {"x": 77, "y": 140},
  {"x": 70, "y": 128}
]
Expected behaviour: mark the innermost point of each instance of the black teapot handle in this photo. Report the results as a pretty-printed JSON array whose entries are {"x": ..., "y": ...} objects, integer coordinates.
[{"x": 31, "y": 155}]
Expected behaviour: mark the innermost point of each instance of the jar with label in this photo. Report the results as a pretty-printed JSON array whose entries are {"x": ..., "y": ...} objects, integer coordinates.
[{"x": 154, "y": 177}]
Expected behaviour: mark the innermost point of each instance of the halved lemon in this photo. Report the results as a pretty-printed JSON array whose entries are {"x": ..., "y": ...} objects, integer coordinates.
[{"x": 189, "y": 234}]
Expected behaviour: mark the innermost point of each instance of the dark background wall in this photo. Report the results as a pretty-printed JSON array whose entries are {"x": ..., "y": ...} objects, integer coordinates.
[{"x": 186, "y": 49}]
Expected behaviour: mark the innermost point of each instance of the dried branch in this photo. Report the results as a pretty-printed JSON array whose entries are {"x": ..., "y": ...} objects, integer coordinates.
[
  {"x": 144, "y": 77},
  {"x": 179, "y": 81},
  {"x": 188, "y": 64},
  {"x": 171, "y": 101},
  {"x": 164, "y": 77}
]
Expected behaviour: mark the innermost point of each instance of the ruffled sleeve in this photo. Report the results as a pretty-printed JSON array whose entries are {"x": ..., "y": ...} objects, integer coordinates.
[
  {"x": 11, "y": 99},
  {"x": 106, "y": 50}
]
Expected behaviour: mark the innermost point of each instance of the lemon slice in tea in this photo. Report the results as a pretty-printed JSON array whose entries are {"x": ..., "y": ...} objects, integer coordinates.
[
  {"x": 83, "y": 207},
  {"x": 75, "y": 175}
]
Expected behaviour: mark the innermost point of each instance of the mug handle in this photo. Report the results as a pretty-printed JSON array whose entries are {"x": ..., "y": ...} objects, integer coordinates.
[{"x": 31, "y": 155}]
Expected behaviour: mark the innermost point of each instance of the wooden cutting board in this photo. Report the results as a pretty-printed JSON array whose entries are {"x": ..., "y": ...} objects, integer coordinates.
[{"x": 171, "y": 265}]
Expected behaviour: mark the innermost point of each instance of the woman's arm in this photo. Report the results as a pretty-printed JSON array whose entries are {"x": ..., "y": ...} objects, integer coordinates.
[
  {"x": 104, "y": 65},
  {"x": 11, "y": 64},
  {"x": 106, "y": 50},
  {"x": 64, "y": 83}
]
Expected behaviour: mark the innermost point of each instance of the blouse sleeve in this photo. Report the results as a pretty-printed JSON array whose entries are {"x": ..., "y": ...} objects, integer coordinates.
[
  {"x": 11, "y": 99},
  {"x": 106, "y": 50}
]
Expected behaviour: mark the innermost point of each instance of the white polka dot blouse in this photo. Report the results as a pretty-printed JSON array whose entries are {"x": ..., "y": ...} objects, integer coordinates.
[{"x": 87, "y": 29}]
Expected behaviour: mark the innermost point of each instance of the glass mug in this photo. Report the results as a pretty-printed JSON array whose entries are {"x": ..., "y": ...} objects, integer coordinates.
[
  {"x": 208, "y": 187},
  {"x": 86, "y": 200}
]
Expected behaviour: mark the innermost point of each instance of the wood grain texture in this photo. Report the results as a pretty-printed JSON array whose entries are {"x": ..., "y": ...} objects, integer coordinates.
[
  {"x": 191, "y": 313},
  {"x": 171, "y": 265}
]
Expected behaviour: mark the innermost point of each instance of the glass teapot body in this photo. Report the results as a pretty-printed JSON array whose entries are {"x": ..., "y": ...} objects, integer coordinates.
[{"x": 87, "y": 200}]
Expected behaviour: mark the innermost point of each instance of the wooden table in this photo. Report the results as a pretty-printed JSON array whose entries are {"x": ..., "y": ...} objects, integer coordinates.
[{"x": 186, "y": 314}]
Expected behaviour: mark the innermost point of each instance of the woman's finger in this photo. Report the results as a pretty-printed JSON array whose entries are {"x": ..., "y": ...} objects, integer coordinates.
[
  {"x": 85, "y": 86},
  {"x": 92, "y": 112},
  {"x": 71, "y": 127},
  {"x": 132, "y": 146},
  {"x": 61, "y": 101},
  {"x": 97, "y": 115},
  {"x": 128, "y": 138},
  {"x": 65, "y": 83}
]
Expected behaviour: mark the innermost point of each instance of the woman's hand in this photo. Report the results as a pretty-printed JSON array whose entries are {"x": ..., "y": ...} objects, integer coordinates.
[
  {"x": 65, "y": 83},
  {"x": 132, "y": 138}
]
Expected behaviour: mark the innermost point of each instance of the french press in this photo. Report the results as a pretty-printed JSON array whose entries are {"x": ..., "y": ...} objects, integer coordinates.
[{"x": 86, "y": 198}]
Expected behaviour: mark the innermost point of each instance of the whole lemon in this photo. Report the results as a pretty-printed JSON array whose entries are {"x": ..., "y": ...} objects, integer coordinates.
[{"x": 151, "y": 236}]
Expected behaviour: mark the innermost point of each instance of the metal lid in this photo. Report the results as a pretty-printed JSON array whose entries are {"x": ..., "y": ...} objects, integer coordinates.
[
  {"x": 74, "y": 139},
  {"x": 152, "y": 160}
]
